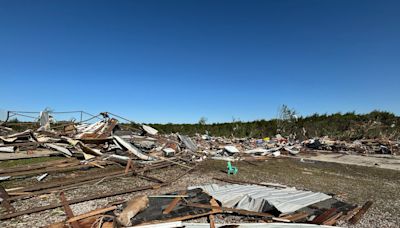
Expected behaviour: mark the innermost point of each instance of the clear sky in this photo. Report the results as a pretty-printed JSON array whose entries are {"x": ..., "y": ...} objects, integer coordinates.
[{"x": 176, "y": 61}]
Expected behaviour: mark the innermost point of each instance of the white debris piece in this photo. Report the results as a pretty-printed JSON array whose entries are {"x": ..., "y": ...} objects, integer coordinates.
[
  {"x": 131, "y": 148},
  {"x": 59, "y": 148},
  {"x": 231, "y": 149},
  {"x": 41, "y": 177},
  {"x": 276, "y": 154},
  {"x": 44, "y": 121},
  {"x": 260, "y": 151},
  {"x": 149, "y": 130},
  {"x": 7, "y": 149},
  {"x": 4, "y": 178},
  {"x": 168, "y": 152}
]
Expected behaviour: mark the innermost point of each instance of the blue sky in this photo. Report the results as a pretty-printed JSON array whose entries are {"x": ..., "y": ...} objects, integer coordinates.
[{"x": 176, "y": 61}]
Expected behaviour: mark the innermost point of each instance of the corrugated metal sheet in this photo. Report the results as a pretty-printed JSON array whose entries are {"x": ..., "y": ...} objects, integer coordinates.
[
  {"x": 257, "y": 225},
  {"x": 240, "y": 225},
  {"x": 260, "y": 198}
]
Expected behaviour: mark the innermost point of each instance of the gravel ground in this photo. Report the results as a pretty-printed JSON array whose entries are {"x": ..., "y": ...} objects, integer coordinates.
[{"x": 353, "y": 184}]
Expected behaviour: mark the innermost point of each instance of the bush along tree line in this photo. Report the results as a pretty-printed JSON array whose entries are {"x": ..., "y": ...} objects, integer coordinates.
[{"x": 347, "y": 126}]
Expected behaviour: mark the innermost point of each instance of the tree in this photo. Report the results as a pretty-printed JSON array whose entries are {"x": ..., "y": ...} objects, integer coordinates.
[
  {"x": 287, "y": 119},
  {"x": 203, "y": 121}
]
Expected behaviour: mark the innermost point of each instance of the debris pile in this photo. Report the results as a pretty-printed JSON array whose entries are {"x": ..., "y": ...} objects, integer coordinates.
[
  {"x": 136, "y": 151},
  {"x": 365, "y": 146},
  {"x": 260, "y": 203}
]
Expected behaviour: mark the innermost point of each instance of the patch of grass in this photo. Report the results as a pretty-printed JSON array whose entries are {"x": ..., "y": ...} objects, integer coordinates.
[{"x": 26, "y": 161}]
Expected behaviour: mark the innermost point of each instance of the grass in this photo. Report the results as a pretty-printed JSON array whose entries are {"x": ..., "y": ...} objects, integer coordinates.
[{"x": 26, "y": 161}]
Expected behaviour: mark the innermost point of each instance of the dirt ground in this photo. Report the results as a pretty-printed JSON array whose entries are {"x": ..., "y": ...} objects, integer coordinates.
[
  {"x": 380, "y": 161},
  {"x": 353, "y": 184}
]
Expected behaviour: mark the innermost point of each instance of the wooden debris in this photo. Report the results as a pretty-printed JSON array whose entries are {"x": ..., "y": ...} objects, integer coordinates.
[
  {"x": 324, "y": 216},
  {"x": 92, "y": 213},
  {"x": 331, "y": 221},
  {"x": 5, "y": 200},
  {"x": 296, "y": 217},
  {"x": 361, "y": 212},
  {"x": 174, "y": 202},
  {"x": 133, "y": 207},
  {"x": 68, "y": 210}
]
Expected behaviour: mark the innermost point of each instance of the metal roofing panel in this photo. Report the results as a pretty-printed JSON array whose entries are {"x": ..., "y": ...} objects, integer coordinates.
[{"x": 260, "y": 198}]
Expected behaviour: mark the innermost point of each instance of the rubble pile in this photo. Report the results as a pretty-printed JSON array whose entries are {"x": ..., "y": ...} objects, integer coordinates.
[
  {"x": 106, "y": 139},
  {"x": 138, "y": 151}
]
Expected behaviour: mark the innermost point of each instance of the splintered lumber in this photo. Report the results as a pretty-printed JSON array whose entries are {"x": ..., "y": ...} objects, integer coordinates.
[
  {"x": 92, "y": 213},
  {"x": 361, "y": 212}
]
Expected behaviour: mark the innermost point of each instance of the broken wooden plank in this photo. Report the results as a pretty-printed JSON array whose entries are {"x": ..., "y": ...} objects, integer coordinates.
[
  {"x": 331, "y": 221},
  {"x": 68, "y": 210},
  {"x": 350, "y": 214},
  {"x": 92, "y": 213},
  {"x": 128, "y": 166},
  {"x": 361, "y": 212},
  {"x": 324, "y": 216},
  {"x": 296, "y": 217},
  {"x": 173, "y": 203},
  {"x": 4, "y": 199}
]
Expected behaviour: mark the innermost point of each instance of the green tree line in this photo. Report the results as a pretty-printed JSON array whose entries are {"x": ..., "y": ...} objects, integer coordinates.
[{"x": 346, "y": 126}]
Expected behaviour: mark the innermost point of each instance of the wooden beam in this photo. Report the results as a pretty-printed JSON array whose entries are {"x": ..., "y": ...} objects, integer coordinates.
[
  {"x": 361, "y": 212},
  {"x": 5, "y": 200},
  {"x": 92, "y": 213},
  {"x": 68, "y": 210},
  {"x": 324, "y": 216},
  {"x": 331, "y": 221},
  {"x": 173, "y": 203}
]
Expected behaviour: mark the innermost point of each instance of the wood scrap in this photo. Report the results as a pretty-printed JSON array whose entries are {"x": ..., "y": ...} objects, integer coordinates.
[{"x": 361, "y": 212}]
